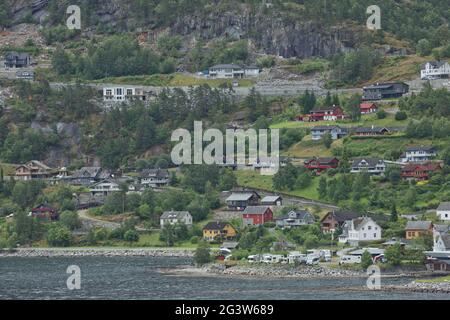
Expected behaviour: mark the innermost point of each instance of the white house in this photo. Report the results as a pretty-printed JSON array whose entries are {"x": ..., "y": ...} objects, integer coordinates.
[
  {"x": 154, "y": 178},
  {"x": 104, "y": 187},
  {"x": 360, "y": 229},
  {"x": 441, "y": 242},
  {"x": 418, "y": 154},
  {"x": 121, "y": 94},
  {"x": 369, "y": 165},
  {"x": 232, "y": 71},
  {"x": 251, "y": 71},
  {"x": 443, "y": 211},
  {"x": 174, "y": 217},
  {"x": 434, "y": 70}
]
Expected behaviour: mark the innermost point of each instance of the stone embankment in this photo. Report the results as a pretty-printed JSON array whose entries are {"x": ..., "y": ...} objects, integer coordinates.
[
  {"x": 103, "y": 252},
  {"x": 266, "y": 271},
  {"x": 422, "y": 287}
]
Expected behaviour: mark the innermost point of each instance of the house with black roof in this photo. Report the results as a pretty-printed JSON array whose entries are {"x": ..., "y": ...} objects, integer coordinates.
[
  {"x": 385, "y": 91},
  {"x": 371, "y": 131},
  {"x": 17, "y": 60}
]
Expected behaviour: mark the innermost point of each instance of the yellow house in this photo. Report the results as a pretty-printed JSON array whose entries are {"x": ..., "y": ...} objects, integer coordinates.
[{"x": 219, "y": 230}]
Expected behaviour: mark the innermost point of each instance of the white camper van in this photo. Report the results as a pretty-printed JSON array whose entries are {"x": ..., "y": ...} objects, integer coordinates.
[{"x": 349, "y": 259}]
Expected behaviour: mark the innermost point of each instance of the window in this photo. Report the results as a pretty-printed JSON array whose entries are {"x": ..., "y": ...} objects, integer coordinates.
[
  {"x": 369, "y": 228},
  {"x": 129, "y": 92},
  {"x": 365, "y": 235},
  {"x": 374, "y": 235}
]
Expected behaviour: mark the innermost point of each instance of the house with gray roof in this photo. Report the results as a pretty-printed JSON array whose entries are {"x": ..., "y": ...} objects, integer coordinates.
[
  {"x": 435, "y": 69},
  {"x": 418, "y": 154},
  {"x": 256, "y": 215},
  {"x": 443, "y": 211},
  {"x": 272, "y": 201},
  {"x": 154, "y": 178},
  {"x": 374, "y": 166},
  {"x": 175, "y": 217},
  {"x": 240, "y": 200},
  {"x": 336, "y": 132},
  {"x": 89, "y": 175},
  {"x": 295, "y": 218},
  {"x": 360, "y": 229},
  {"x": 417, "y": 229}
]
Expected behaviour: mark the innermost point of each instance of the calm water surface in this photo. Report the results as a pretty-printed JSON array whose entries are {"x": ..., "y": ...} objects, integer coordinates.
[{"x": 138, "y": 278}]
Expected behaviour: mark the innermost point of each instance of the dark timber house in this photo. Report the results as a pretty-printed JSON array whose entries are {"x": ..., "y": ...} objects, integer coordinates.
[{"x": 385, "y": 91}]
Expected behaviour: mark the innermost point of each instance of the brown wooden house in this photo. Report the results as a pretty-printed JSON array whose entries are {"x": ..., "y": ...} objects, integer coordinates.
[{"x": 336, "y": 219}]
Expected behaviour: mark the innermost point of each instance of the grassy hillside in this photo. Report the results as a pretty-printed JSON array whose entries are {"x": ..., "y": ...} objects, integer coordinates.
[{"x": 366, "y": 120}]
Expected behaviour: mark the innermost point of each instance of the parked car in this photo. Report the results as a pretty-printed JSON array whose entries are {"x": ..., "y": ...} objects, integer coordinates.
[{"x": 348, "y": 259}]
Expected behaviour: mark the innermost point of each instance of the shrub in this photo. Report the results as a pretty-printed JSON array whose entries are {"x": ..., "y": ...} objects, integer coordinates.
[
  {"x": 70, "y": 219},
  {"x": 203, "y": 253},
  {"x": 270, "y": 224},
  {"x": 381, "y": 114},
  {"x": 401, "y": 115},
  {"x": 59, "y": 236},
  {"x": 131, "y": 236},
  {"x": 195, "y": 240}
]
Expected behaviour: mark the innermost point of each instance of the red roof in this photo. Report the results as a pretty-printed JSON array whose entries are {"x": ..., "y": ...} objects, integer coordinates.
[{"x": 368, "y": 105}]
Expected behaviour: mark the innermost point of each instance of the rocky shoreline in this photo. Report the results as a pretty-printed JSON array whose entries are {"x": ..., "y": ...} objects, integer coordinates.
[
  {"x": 303, "y": 272},
  {"x": 103, "y": 252},
  {"x": 440, "y": 287}
]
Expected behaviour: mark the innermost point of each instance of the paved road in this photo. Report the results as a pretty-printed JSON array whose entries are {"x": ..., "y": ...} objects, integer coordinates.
[{"x": 279, "y": 87}]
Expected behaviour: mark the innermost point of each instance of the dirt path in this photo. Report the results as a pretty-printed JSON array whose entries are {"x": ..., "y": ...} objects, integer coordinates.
[{"x": 92, "y": 222}]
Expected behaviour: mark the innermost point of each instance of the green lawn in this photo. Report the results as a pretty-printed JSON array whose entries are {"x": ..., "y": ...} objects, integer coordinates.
[
  {"x": 172, "y": 80},
  {"x": 253, "y": 179},
  {"x": 308, "y": 148},
  {"x": 366, "y": 120}
]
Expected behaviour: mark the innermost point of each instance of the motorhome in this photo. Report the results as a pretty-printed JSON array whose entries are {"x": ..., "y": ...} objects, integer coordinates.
[
  {"x": 254, "y": 258},
  {"x": 349, "y": 259},
  {"x": 294, "y": 257},
  {"x": 312, "y": 260}
]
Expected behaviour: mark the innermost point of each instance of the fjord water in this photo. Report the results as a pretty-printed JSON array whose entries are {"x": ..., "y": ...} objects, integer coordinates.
[{"x": 139, "y": 278}]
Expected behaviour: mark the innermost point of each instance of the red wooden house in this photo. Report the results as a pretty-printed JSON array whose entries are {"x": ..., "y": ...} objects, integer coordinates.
[
  {"x": 368, "y": 107},
  {"x": 324, "y": 113},
  {"x": 420, "y": 171},
  {"x": 256, "y": 215},
  {"x": 44, "y": 211},
  {"x": 321, "y": 164}
]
